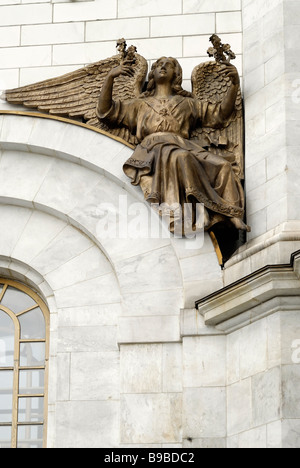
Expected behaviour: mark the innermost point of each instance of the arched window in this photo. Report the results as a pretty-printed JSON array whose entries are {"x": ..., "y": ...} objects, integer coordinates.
[{"x": 24, "y": 350}]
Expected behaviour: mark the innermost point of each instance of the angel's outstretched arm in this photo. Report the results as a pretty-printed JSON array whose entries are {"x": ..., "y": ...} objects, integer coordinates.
[
  {"x": 105, "y": 99},
  {"x": 228, "y": 104}
]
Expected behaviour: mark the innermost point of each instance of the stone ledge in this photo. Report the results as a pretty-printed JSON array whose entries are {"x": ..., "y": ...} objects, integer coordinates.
[{"x": 243, "y": 300}]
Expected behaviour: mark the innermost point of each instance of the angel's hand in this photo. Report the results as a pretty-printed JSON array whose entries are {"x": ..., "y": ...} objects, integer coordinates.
[
  {"x": 123, "y": 69},
  {"x": 231, "y": 72}
]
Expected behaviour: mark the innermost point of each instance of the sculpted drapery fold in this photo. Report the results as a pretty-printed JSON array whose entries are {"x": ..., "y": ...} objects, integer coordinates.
[{"x": 170, "y": 168}]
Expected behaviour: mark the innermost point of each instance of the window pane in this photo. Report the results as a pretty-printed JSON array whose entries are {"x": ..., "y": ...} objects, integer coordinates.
[
  {"x": 32, "y": 325},
  {"x": 5, "y": 436},
  {"x": 31, "y": 409},
  {"x": 6, "y": 394},
  {"x": 32, "y": 354},
  {"x": 31, "y": 382},
  {"x": 16, "y": 300},
  {"x": 30, "y": 437},
  {"x": 7, "y": 337}
]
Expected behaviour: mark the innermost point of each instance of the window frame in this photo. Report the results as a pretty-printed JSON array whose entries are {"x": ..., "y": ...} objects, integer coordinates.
[{"x": 39, "y": 303}]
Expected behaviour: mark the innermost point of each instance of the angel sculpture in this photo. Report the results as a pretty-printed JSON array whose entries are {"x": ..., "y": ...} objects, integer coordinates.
[
  {"x": 176, "y": 162},
  {"x": 188, "y": 146}
]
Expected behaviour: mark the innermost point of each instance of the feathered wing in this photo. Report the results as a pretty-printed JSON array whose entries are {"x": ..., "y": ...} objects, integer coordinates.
[
  {"x": 75, "y": 94},
  {"x": 209, "y": 85}
]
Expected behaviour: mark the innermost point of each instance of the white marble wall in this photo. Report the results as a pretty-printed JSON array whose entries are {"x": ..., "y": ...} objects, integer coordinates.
[
  {"x": 127, "y": 366},
  {"x": 272, "y": 112},
  {"x": 39, "y": 40}
]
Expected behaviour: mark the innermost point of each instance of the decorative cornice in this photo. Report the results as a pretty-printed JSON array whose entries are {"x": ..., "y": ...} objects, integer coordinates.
[{"x": 244, "y": 299}]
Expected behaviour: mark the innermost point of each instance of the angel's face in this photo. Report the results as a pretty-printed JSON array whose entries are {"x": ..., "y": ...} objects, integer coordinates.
[{"x": 164, "y": 70}]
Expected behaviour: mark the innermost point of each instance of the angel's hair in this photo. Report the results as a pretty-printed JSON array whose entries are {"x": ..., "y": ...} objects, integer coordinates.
[{"x": 176, "y": 83}]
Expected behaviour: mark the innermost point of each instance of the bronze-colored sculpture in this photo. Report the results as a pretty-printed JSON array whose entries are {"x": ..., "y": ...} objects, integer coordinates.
[{"x": 188, "y": 146}]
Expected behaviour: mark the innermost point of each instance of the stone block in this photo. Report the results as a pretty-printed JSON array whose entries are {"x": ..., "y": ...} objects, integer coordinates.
[
  {"x": 8, "y": 79},
  {"x": 239, "y": 407},
  {"x": 204, "y": 361},
  {"x": 14, "y": 220},
  {"x": 172, "y": 368},
  {"x": 53, "y": 33},
  {"x": 210, "y": 268},
  {"x": 68, "y": 244},
  {"x": 62, "y": 385},
  {"x": 87, "y": 52},
  {"x": 17, "y": 57},
  {"x": 291, "y": 12},
  {"x": 131, "y": 8},
  {"x": 228, "y": 22},
  {"x": 233, "y": 357},
  {"x": 151, "y": 418},
  {"x": 16, "y": 168},
  {"x": 274, "y": 435},
  {"x": 195, "y": 290},
  {"x": 253, "y": 349},
  {"x": 10, "y": 36},
  {"x": 183, "y": 25},
  {"x": 266, "y": 397},
  {"x": 258, "y": 223},
  {"x": 290, "y": 334},
  {"x": 274, "y": 340},
  {"x": 291, "y": 391},
  {"x": 87, "y": 339},
  {"x": 253, "y": 38},
  {"x": 141, "y": 368},
  {"x": 153, "y": 48},
  {"x": 95, "y": 376},
  {"x": 204, "y": 413},
  {"x": 274, "y": 68},
  {"x": 100, "y": 290},
  {"x": 114, "y": 29},
  {"x": 290, "y": 433},
  {"x": 253, "y": 439},
  {"x": 39, "y": 231},
  {"x": 203, "y": 6},
  {"x": 133, "y": 273},
  {"x": 57, "y": 189},
  {"x": 87, "y": 265},
  {"x": 98, "y": 316},
  {"x": 153, "y": 329},
  {"x": 84, "y": 11},
  {"x": 154, "y": 303},
  {"x": 98, "y": 422},
  {"x": 26, "y": 14},
  {"x": 254, "y": 82}
]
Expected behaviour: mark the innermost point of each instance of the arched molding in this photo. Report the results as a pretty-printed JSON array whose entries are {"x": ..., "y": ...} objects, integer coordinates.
[{"x": 70, "y": 169}]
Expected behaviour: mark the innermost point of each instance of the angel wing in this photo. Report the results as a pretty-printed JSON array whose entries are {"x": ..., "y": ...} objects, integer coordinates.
[
  {"x": 75, "y": 94},
  {"x": 210, "y": 86}
]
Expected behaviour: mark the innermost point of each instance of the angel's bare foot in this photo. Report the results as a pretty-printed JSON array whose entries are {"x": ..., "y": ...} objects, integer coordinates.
[{"x": 239, "y": 224}]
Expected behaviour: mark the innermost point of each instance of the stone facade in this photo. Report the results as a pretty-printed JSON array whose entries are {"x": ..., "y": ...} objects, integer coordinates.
[{"x": 133, "y": 363}]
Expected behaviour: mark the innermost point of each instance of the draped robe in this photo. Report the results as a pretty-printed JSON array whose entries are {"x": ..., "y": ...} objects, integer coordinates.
[{"x": 170, "y": 167}]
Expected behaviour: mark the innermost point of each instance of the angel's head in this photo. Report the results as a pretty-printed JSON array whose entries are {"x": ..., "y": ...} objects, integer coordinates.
[{"x": 166, "y": 68}]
